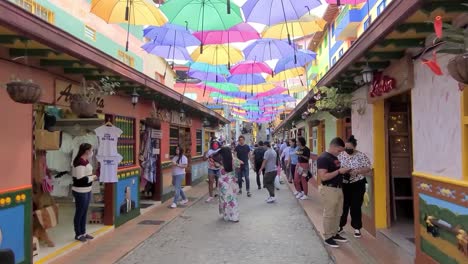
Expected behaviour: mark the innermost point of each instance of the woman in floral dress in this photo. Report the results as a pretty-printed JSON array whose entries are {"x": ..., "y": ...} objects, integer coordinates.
[{"x": 228, "y": 187}]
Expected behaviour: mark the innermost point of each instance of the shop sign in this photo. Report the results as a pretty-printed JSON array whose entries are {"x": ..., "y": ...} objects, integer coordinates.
[
  {"x": 64, "y": 90},
  {"x": 177, "y": 119},
  {"x": 155, "y": 133},
  {"x": 382, "y": 84}
]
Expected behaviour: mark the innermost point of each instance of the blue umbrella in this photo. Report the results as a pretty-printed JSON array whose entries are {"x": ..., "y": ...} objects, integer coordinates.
[
  {"x": 300, "y": 59},
  {"x": 246, "y": 79},
  {"x": 205, "y": 67},
  {"x": 171, "y": 35},
  {"x": 206, "y": 76},
  {"x": 268, "y": 49},
  {"x": 167, "y": 51}
]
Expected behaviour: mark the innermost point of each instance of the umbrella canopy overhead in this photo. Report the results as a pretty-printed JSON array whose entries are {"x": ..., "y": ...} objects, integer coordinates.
[
  {"x": 217, "y": 54},
  {"x": 246, "y": 79},
  {"x": 268, "y": 49},
  {"x": 167, "y": 52},
  {"x": 137, "y": 12},
  {"x": 242, "y": 32},
  {"x": 274, "y": 91},
  {"x": 250, "y": 67},
  {"x": 170, "y": 34},
  {"x": 207, "y": 76},
  {"x": 259, "y": 88},
  {"x": 296, "y": 29},
  {"x": 205, "y": 67},
  {"x": 345, "y": 2},
  {"x": 300, "y": 59},
  {"x": 287, "y": 74},
  {"x": 226, "y": 87}
]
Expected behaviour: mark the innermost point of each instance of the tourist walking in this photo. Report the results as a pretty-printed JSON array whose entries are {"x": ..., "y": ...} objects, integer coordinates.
[
  {"x": 83, "y": 178},
  {"x": 284, "y": 157},
  {"x": 228, "y": 204},
  {"x": 354, "y": 184},
  {"x": 243, "y": 153},
  {"x": 331, "y": 174},
  {"x": 292, "y": 160},
  {"x": 179, "y": 163},
  {"x": 269, "y": 168},
  {"x": 302, "y": 169},
  {"x": 258, "y": 155},
  {"x": 213, "y": 171}
]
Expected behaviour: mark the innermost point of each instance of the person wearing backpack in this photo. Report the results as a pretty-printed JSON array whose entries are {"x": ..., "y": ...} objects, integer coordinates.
[{"x": 258, "y": 160}]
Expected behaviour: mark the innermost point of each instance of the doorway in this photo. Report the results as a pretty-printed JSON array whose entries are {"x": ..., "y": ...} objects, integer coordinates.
[{"x": 400, "y": 164}]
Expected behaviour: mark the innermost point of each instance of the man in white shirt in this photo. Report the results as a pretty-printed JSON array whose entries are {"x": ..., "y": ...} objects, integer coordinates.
[{"x": 269, "y": 164}]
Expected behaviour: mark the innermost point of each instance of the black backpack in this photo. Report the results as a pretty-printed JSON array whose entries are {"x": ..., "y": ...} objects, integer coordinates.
[{"x": 258, "y": 154}]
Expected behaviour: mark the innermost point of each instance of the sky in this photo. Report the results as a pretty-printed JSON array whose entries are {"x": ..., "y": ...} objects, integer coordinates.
[{"x": 458, "y": 209}]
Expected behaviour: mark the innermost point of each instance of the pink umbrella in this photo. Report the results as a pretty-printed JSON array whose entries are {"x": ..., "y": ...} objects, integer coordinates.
[
  {"x": 242, "y": 32},
  {"x": 251, "y": 67},
  {"x": 345, "y": 2},
  {"x": 276, "y": 90}
]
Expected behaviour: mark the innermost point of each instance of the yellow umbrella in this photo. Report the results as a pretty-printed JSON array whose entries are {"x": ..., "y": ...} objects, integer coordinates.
[
  {"x": 135, "y": 12},
  {"x": 217, "y": 55},
  {"x": 259, "y": 88},
  {"x": 294, "y": 28},
  {"x": 287, "y": 74}
]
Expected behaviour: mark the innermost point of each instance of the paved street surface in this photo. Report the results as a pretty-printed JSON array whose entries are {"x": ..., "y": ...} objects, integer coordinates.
[{"x": 267, "y": 233}]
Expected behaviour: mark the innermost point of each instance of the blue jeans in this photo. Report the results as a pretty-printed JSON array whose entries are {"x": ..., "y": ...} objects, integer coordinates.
[
  {"x": 177, "y": 182},
  {"x": 81, "y": 204},
  {"x": 244, "y": 173}
]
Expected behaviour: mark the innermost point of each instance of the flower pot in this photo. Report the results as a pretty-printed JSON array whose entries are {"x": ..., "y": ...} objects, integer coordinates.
[
  {"x": 340, "y": 113},
  {"x": 82, "y": 107},
  {"x": 458, "y": 68},
  {"x": 24, "y": 92},
  {"x": 153, "y": 122}
]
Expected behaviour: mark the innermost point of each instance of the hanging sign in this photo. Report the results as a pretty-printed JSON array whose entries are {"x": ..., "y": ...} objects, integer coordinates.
[
  {"x": 181, "y": 120},
  {"x": 64, "y": 90},
  {"x": 155, "y": 133},
  {"x": 382, "y": 84}
]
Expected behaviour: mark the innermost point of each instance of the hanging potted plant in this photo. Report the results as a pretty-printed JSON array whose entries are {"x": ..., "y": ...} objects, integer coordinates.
[
  {"x": 22, "y": 91},
  {"x": 456, "y": 42},
  {"x": 337, "y": 104},
  {"x": 84, "y": 104}
]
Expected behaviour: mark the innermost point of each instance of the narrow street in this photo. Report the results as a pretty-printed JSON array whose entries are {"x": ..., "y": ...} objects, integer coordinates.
[{"x": 266, "y": 233}]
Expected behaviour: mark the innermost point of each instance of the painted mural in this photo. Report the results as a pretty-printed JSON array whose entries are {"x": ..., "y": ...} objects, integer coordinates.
[
  {"x": 443, "y": 229},
  {"x": 127, "y": 201}
]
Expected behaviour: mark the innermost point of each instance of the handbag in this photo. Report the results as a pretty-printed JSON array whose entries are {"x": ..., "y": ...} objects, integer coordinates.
[
  {"x": 46, "y": 140},
  {"x": 47, "y": 185},
  {"x": 47, "y": 216}
]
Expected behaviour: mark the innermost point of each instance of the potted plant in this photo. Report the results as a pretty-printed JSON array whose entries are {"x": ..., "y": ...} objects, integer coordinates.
[
  {"x": 456, "y": 42},
  {"x": 22, "y": 91},
  {"x": 337, "y": 104},
  {"x": 85, "y": 103}
]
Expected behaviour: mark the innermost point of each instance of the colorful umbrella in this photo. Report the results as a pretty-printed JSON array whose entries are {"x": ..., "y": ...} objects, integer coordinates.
[
  {"x": 167, "y": 52},
  {"x": 270, "y": 12},
  {"x": 246, "y": 79},
  {"x": 206, "y": 76},
  {"x": 259, "y": 88},
  {"x": 170, "y": 34},
  {"x": 201, "y": 15},
  {"x": 274, "y": 91},
  {"x": 294, "y": 28},
  {"x": 218, "y": 87},
  {"x": 299, "y": 59},
  {"x": 287, "y": 74},
  {"x": 217, "y": 54},
  {"x": 135, "y": 12},
  {"x": 242, "y": 32},
  {"x": 205, "y": 67},
  {"x": 345, "y": 2},
  {"x": 268, "y": 49},
  {"x": 247, "y": 67}
]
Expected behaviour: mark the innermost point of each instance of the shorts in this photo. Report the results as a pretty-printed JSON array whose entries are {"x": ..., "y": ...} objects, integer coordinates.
[{"x": 216, "y": 173}]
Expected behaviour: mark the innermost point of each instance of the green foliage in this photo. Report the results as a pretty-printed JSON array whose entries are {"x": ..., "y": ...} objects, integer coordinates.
[
  {"x": 332, "y": 100},
  {"x": 435, "y": 253}
]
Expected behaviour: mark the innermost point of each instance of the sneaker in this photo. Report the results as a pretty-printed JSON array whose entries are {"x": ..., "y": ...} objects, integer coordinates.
[
  {"x": 81, "y": 238},
  {"x": 299, "y": 195},
  {"x": 339, "y": 238},
  {"x": 173, "y": 205},
  {"x": 209, "y": 199},
  {"x": 331, "y": 242},
  {"x": 271, "y": 200},
  {"x": 341, "y": 230},
  {"x": 357, "y": 233},
  {"x": 183, "y": 202},
  {"x": 304, "y": 197},
  {"x": 259, "y": 187},
  {"x": 240, "y": 192},
  {"x": 295, "y": 193},
  {"x": 249, "y": 194},
  {"x": 88, "y": 236}
]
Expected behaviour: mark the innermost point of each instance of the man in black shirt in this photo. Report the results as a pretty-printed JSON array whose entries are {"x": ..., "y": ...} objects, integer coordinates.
[
  {"x": 258, "y": 153},
  {"x": 243, "y": 153},
  {"x": 331, "y": 173}
]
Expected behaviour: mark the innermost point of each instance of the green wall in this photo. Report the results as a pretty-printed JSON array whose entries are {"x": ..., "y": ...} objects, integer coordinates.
[{"x": 330, "y": 127}]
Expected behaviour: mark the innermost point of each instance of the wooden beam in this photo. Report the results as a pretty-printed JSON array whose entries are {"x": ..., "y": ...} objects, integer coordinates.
[
  {"x": 85, "y": 71},
  {"x": 60, "y": 63},
  {"x": 403, "y": 43},
  {"x": 386, "y": 55},
  {"x": 31, "y": 52},
  {"x": 11, "y": 39}
]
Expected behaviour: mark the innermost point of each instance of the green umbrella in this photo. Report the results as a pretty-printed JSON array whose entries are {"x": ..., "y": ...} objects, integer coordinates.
[
  {"x": 220, "y": 95},
  {"x": 228, "y": 87},
  {"x": 201, "y": 15}
]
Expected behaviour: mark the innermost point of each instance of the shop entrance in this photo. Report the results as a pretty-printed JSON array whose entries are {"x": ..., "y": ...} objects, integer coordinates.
[{"x": 399, "y": 164}]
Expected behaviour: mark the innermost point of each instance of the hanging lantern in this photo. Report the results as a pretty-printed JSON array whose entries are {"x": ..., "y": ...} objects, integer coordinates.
[
  {"x": 135, "y": 97},
  {"x": 367, "y": 75}
]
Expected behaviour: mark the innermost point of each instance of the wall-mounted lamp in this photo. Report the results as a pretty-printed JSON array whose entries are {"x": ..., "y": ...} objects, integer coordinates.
[
  {"x": 367, "y": 74},
  {"x": 135, "y": 97},
  {"x": 182, "y": 113},
  {"x": 293, "y": 124},
  {"x": 358, "y": 80}
]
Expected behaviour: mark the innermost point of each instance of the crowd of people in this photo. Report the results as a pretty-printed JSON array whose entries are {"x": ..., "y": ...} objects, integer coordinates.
[{"x": 341, "y": 172}]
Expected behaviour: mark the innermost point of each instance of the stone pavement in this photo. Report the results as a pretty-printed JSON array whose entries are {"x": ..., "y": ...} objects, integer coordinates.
[{"x": 267, "y": 233}]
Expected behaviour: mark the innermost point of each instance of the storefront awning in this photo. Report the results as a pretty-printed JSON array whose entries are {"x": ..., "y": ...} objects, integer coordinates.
[{"x": 59, "y": 52}]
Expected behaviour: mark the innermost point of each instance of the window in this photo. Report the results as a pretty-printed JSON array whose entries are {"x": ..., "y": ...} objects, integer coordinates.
[
  {"x": 381, "y": 7},
  {"x": 37, "y": 9},
  {"x": 90, "y": 33},
  {"x": 173, "y": 140},
  {"x": 125, "y": 58},
  {"x": 367, "y": 22},
  {"x": 199, "y": 142},
  {"x": 333, "y": 61},
  {"x": 340, "y": 53},
  {"x": 192, "y": 96}
]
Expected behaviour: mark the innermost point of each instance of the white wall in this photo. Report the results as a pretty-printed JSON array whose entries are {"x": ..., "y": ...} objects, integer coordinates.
[
  {"x": 436, "y": 122},
  {"x": 362, "y": 125}
]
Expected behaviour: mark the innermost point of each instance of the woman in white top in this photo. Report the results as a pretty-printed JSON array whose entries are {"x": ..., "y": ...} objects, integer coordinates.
[
  {"x": 179, "y": 163},
  {"x": 83, "y": 178}
]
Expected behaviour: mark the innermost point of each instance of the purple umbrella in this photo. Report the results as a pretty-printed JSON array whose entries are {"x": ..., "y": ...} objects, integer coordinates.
[
  {"x": 300, "y": 59},
  {"x": 268, "y": 49},
  {"x": 167, "y": 51},
  {"x": 246, "y": 79},
  {"x": 270, "y": 12},
  {"x": 247, "y": 67},
  {"x": 207, "y": 76},
  {"x": 171, "y": 35}
]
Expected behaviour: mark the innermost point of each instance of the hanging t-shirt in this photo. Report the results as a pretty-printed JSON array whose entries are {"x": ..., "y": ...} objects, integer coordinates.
[
  {"x": 109, "y": 165},
  {"x": 60, "y": 160},
  {"x": 108, "y": 136}
]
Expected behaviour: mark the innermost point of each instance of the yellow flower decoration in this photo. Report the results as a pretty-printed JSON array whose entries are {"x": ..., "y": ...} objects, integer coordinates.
[
  {"x": 2, "y": 202},
  {"x": 8, "y": 200},
  {"x": 17, "y": 198},
  {"x": 23, "y": 197}
]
